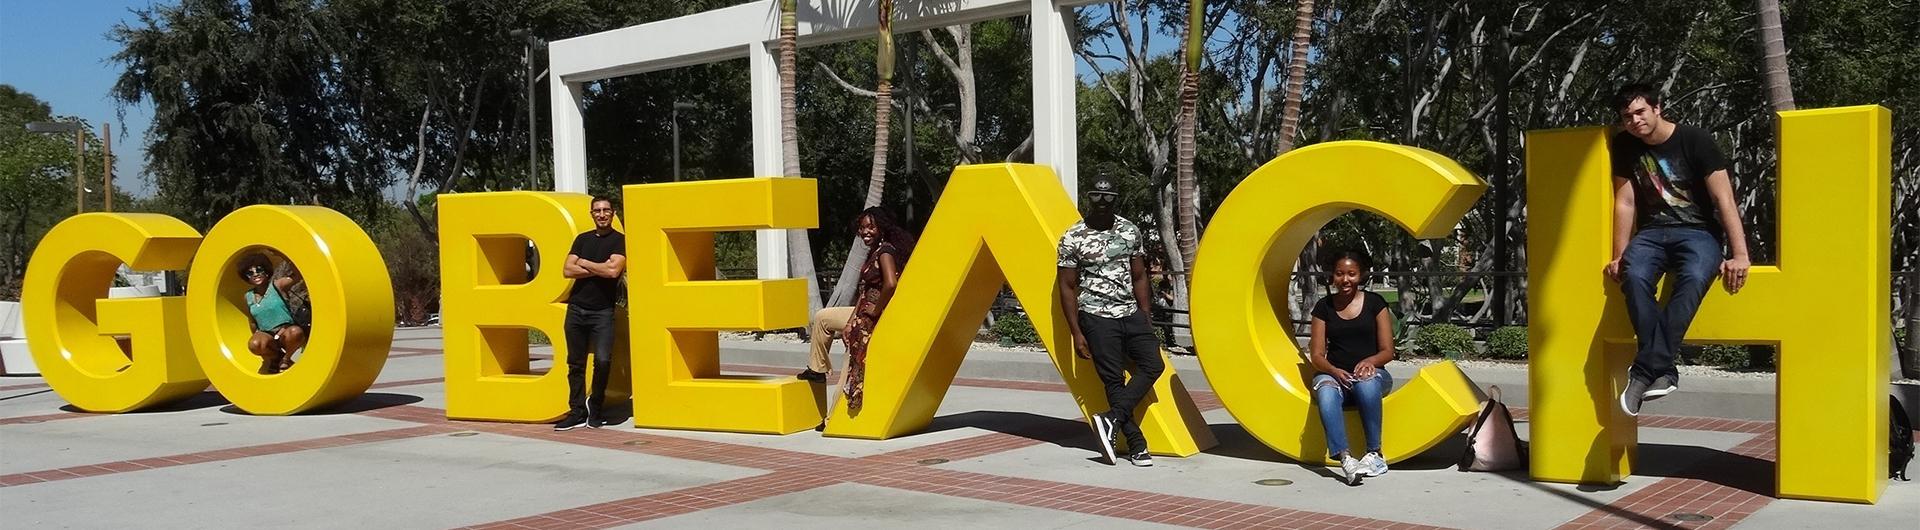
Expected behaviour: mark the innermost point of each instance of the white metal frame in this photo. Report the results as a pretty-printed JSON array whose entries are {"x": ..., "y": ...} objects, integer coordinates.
[{"x": 752, "y": 30}]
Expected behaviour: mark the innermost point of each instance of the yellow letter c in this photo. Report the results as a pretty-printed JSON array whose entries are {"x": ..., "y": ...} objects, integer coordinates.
[{"x": 1240, "y": 286}]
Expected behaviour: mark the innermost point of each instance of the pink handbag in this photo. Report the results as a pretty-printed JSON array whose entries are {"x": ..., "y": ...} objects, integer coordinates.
[{"x": 1492, "y": 444}]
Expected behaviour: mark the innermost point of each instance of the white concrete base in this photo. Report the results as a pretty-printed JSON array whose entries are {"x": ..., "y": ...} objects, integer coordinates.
[
  {"x": 15, "y": 359},
  {"x": 11, "y": 323}
]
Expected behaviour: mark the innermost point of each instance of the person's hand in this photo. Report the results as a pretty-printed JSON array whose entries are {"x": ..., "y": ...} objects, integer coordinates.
[
  {"x": 1734, "y": 273},
  {"x": 1080, "y": 347},
  {"x": 1343, "y": 377},
  {"x": 1613, "y": 270},
  {"x": 1364, "y": 370}
]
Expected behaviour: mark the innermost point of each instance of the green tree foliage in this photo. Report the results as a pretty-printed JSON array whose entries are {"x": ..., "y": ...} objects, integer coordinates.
[{"x": 36, "y": 181}]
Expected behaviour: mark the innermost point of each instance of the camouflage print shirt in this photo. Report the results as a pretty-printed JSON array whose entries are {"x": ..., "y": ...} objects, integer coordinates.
[{"x": 1104, "y": 259}]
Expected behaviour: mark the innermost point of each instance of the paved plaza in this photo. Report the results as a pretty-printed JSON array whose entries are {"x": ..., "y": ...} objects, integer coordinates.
[{"x": 1001, "y": 453}]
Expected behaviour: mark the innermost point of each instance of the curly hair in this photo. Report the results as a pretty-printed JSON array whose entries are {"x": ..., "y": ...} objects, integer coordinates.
[
  {"x": 890, "y": 229},
  {"x": 252, "y": 260},
  {"x": 1359, "y": 257}
]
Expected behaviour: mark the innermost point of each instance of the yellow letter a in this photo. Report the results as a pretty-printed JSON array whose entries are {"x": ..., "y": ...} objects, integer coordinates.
[{"x": 995, "y": 225}]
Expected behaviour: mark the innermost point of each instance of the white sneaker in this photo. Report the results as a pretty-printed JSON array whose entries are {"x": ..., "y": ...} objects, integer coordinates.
[
  {"x": 1373, "y": 465},
  {"x": 1351, "y": 470}
]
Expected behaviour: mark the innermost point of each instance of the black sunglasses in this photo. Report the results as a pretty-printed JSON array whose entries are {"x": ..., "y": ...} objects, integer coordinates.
[
  {"x": 256, "y": 270},
  {"x": 1098, "y": 197}
]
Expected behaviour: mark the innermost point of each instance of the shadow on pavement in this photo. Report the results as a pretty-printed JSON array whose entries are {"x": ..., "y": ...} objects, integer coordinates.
[
  {"x": 364, "y": 403},
  {"x": 1062, "y": 432},
  {"x": 198, "y": 401}
]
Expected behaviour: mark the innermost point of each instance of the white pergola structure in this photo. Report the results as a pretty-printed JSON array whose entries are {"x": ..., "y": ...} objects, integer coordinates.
[{"x": 752, "y": 30}]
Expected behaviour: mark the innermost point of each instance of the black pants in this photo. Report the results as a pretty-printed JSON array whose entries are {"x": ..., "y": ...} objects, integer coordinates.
[
  {"x": 584, "y": 327},
  {"x": 1115, "y": 342}
]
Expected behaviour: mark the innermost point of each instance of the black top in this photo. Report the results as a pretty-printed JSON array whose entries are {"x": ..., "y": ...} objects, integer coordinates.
[
  {"x": 1670, "y": 179},
  {"x": 1350, "y": 341},
  {"x": 594, "y": 292}
]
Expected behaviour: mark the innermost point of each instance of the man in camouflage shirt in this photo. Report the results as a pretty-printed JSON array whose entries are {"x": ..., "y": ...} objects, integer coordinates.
[{"x": 1103, "y": 286}]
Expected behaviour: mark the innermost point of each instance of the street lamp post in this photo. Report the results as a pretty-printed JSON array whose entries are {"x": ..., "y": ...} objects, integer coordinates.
[
  {"x": 677, "y": 107},
  {"x": 79, "y": 156},
  {"x": 532, "y": 43}
]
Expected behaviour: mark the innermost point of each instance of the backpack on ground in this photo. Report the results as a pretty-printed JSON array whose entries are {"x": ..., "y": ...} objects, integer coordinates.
[
  {"x": 1900, "y": 446},
  {"x": 1492, "y": 443}
]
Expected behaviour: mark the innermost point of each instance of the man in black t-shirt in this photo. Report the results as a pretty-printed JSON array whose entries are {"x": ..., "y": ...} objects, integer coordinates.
[
  {"x": 595, "y": 264},
  {"x": 1673, "y": 201}
]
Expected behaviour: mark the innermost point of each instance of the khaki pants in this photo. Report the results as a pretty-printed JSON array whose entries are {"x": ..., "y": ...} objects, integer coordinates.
[{"x": 827, "y": 324}]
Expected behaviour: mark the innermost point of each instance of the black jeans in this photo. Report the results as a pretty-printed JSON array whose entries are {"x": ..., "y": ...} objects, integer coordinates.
[
  {"x": 583, "y": 327},
  {"x": 1115, "y": 342}
]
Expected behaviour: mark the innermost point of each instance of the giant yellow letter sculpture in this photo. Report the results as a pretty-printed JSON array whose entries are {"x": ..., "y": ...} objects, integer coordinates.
[
  {"x": 352, "y": 304},
  {"x": 1240, "y": 290},
  {"x": 995, "y": 225},
  {"x": 488, "y": 303},
  {"x": 68, "y": 318},
  {"x": 678, "y": 306},
  {"x": 1825, "y": 305}
]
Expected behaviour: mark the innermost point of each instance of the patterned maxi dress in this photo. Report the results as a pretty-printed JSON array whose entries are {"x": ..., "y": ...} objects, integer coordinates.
[{"x": 866, "y": 315}]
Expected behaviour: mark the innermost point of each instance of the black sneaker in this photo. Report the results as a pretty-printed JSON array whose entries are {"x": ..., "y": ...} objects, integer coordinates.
[
  {"x": 571, "y": 422},
  {"x": 1661, "y": 386},
  {"x": 1141, "y": 459},
  {"x": 1103, "y": 429},
  {"x": 810, "y": 375}
]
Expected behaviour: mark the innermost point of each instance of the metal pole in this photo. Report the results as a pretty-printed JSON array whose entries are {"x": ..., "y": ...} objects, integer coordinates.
[
  {"x": 532, "y": 140},
  {"x": 676, "y": 141},
  {"x": 1503, "y": 180},
  {"x": 79, "y": 171},
  {"x": 106, "y": 138}
]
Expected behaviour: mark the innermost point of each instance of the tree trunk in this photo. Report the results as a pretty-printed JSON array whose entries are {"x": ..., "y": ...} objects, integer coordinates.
[
  {"x": 877, "y": 176},
  {"x": 1176, "y": 270},
  {"x": 1296, "y": 77},
  {"x": 799, "y": 246},
  {"x": 1184, "y": 182},
  {"x": 1774, "y": 45}
]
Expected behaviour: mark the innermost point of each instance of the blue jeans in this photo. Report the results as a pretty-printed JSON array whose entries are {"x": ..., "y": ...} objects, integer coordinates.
[
  {"x": 1364, "y": 395},
  {"x": 1692, "y": 256}
]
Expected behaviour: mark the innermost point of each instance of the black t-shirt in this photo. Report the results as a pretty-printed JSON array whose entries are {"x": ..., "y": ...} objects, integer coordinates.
[
  {"x": 594, "y": 292},
  {"x": 1670, "y": 179},
  {"x": 1350, "y": 341}
]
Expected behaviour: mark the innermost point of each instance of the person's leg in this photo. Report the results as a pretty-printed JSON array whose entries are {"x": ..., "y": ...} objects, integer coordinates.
[
  {"x": 826, "y": 323},
  {"x": 1367, "y": 396},
  {"x": 292, "y": 337},
  {"x": 1696, "y": 262},
  {"x": 263, "y": 345},
  {"x": 602, "y": 331},
  {"x": 1110, "y": 363},
  {"x": 578, "y": 331},
  {"x": 1143, "y": 350},
  {"x": 1328, "y": 398},
  {"x": 1641, "y": 267}
]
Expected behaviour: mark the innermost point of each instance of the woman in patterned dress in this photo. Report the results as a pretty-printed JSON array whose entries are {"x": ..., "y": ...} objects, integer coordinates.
[{"x": 888, "y": 245}]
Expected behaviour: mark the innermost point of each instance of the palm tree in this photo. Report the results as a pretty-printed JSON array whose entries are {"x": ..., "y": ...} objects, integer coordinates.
[
  {"x": 1774, "y": 45},
  {"x": 877, "y": 177},
  {"x": 799, "y": 246},
  {"x": 1296, "y": 77},
  {"x": 1183, "y": 181}
]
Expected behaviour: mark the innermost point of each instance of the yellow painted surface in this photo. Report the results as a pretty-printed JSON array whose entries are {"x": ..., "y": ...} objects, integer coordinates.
[
  {"x": 1825, "y": 304},
  {"x": 488, "y": 304},
  {"x": 678, "y": 307},
  {"x": 352, "y": 301},
  {"x": 1240, "y": 291},
  {"x": 996, "y": 225},
  {"x": 70, "y": 324}
]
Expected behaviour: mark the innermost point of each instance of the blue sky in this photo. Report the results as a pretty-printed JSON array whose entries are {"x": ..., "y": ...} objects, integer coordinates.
[{"x": 58, "y": 51}]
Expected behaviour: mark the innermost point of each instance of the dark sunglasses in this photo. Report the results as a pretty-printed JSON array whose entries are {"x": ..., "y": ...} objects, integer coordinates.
[
  {"x": 1102, "y": 198},
  {"x": 256, "y": 270}
]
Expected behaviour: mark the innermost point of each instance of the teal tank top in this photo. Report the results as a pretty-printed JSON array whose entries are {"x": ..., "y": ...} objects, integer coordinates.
[{"x": 269, "y": 311}]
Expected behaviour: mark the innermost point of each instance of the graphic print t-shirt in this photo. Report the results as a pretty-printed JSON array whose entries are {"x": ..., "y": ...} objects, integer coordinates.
[{"x": 1670, "y": 179}]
